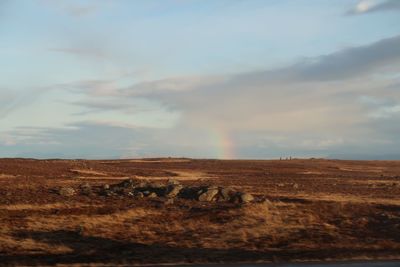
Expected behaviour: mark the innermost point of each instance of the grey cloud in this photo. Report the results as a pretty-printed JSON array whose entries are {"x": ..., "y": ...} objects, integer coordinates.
[
  {"x": 89, "y": 52},
  {"x": 315, "y": 87},
  {"x": 345, "y": 64},
  {"x": 109, "y": 104},
  {"x": 79, "y": 11},
  {"x": 73, "y": 9},
  {"x": 350, "y": 63}
]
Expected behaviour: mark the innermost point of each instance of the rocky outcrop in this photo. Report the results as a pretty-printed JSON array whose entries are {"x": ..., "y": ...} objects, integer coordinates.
[{"x": 169, "y": 191}]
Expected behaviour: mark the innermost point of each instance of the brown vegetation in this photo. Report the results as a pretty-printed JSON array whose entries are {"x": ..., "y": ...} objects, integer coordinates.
[{"x": 315, "y": 210}]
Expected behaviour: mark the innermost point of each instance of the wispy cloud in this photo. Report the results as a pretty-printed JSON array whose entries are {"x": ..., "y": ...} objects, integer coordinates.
[
  {"x": 93, "y": 53},
  {"x": 370, "y": 6},
  {"x": 73, "y": 8}
]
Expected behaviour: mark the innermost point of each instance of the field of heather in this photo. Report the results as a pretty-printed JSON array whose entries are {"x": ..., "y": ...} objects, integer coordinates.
[{"x": 300, "y": 210}]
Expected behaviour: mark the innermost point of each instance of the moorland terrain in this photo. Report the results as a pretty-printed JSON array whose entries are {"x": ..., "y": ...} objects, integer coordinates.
[{"x": 78, "y": 212}]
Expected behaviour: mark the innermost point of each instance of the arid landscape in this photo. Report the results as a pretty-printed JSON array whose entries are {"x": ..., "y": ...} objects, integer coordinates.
[{"x": 303, "y": 210}]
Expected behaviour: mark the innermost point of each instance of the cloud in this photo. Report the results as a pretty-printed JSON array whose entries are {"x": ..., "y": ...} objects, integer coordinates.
[
  {"x": 13, "y": 100},
  {"x": 79, "y": 11},
  {"x": 73, "y": 8},
  {"x": 348, "y": 63},
  {"x": 316, "y": 107},
  {"x": 295, "y": 98},
  {"x": 103, "y": 140},
  {"x": 89, "y": 52},
  {"x": 369, "y": 6}
]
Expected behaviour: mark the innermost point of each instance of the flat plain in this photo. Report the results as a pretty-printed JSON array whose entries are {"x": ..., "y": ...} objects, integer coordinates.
[{"x": 307, "y": 210}]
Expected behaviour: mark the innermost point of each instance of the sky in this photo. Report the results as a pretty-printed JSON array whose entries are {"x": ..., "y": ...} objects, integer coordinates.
[{"x": 225, "y": 79}]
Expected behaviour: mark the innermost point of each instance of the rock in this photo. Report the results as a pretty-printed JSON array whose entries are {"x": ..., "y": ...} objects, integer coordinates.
[
  {"x": 295, "y": 186},
  {"x": 126, "y": 191},
  {"x": 86, "y": 189},
  {"x": 143, "y": 184},
  {"x": 139, "y": 195},
  {"x": 156, "y": 185},
  {"x": 201, "y": 191},
  {"x": 266, "y": 202},
  {"x": 209, "y": 195},
  {"x": 169, "y": 201},
  {"x": 66, "y": 191},
  {"x": 106, "y": 187},
  {"x": 128, "y": 183},
  {"x": 227, "y": 193},
  {"x": 152, "y": 195},
  {"x": 146, "y": 193},
  {"x": 173, "y": 190},
  {"x": 246, "y": 198},
  {"x": 108, "y": 193},
  {"x": 188, "y": 192}
]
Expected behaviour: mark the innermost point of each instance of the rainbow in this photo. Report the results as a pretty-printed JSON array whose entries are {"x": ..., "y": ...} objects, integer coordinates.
[{"x": 222, "y": 143}]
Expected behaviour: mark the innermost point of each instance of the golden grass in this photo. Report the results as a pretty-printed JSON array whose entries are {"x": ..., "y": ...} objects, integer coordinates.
[
  {"x": 6, "y": 176},
  {"x": 363, "y": 169},
  {"x": 341, "y": 198},
  {"x": 21, "y": 207},
  {"x": 88, "y": 172},
  {"x": 181, "y": 176}
]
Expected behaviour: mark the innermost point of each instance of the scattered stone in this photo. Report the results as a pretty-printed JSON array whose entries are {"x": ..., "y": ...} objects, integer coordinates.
[
  {"x": 139, "y": 195},
  {"x": 201, "y": 191},
  {"x": 86, "y": 189},
  {"x": 152, "y": 195},
  {"x": 66, "y": 191},
  {"x": 170, "y": 191},
  {"x": 266, "y": 202},
  {"x": 156, "y": 185},
  {"x": 189, "y": 193},
  {"x": 128, "y": 183},
  {"x": 209, "y": 195},
  {"x": 173, "y": 190},
  {"x": 142, "y": 184},
  {"x": 126, "y": 191},
  {"x": 295, "y": 186},
  {"x": 169, "y": 201},
  {"x": 246, "y": 197},
  {"x": 227, "y": 193}
]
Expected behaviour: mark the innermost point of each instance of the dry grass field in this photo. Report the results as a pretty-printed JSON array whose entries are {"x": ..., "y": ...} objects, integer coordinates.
[{"x": 316, "y": 210}]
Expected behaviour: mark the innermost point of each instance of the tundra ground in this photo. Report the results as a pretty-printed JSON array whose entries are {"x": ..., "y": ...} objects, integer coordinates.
[{"x": 318, "y": 210}]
